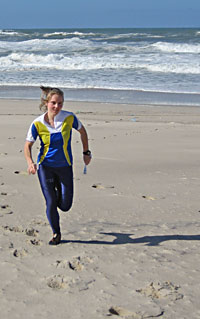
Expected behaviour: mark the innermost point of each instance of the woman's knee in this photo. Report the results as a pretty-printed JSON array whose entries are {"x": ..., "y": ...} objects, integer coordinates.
[
  {"x": 65, "y": 207},
  {"x": 65, "y": 203}
]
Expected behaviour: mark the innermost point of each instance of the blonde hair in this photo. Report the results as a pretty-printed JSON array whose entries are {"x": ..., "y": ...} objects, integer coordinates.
[{"x": 46, "y": 95}]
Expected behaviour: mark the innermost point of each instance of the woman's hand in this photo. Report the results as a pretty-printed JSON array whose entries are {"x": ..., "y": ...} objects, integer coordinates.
[
  {"x": 32, "y": 168},
  {"x": 87, "y": 159}
]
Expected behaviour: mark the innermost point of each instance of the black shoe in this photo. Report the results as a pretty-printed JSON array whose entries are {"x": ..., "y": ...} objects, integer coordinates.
[{"x": 55, "y": 240}]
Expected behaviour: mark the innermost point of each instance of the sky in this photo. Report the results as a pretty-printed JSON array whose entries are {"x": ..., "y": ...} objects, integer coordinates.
[{"x": 22, "y": 14}]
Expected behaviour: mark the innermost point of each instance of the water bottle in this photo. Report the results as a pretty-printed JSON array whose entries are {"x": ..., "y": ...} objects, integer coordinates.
[{"x": 85, "y": 169}]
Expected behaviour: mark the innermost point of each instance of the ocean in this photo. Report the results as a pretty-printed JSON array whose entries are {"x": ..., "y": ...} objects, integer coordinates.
[{"x": 139, "y": 66}]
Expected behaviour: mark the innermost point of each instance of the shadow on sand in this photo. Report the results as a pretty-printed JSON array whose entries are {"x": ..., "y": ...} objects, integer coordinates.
[{"x": 121, "y": 239}]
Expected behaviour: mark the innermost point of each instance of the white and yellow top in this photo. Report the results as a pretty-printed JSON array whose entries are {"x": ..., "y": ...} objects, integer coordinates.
[{"x": 55, "y": 149}]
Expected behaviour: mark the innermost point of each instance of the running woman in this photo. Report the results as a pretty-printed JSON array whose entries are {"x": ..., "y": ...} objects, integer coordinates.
[{"x": 55, "y": 162}]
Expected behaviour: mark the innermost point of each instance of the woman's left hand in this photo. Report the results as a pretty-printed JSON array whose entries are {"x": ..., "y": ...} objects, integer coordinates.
[{"x": 87, "y": 159}]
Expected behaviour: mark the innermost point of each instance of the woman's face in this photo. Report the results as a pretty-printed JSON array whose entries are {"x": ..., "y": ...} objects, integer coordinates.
[{"x": 55, "y": 104}]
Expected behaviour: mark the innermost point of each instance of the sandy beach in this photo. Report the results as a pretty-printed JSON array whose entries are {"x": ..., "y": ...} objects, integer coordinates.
[{"x": 130, "y": 244}]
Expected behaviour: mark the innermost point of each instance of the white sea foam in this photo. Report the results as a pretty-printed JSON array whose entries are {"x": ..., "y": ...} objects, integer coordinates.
[
  {"x": 123, "y": 36},
  {"x": 47, "y": 35},
  {"x": 59, "y": 61},
  {"x": 67, "y": 45},
  {"x": 43, "y": 44},
  {"x": 129, "y": 36},
  {"x": 177, "y": 47},
  {"x": 26, "y": 61},
  {"x": 9, "y": 33},
  {"x": 65, "y": 34}
]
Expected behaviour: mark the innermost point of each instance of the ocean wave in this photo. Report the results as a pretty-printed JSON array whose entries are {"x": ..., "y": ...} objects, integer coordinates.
[
  {"x": 25, "y": 61},
  {"x": 10, "y": 33},
  {"x": 177, "y": 47},
  {"x": 30, "y": 61},
  {"x": 43, "y": 44},
  {"x": 128, "y": 37},
  {"x": 122, "y": 36},
  {"x": 65, "y": 34},
  {"x": 68, "y": 46},
  {"x": 48, "y": 35}
]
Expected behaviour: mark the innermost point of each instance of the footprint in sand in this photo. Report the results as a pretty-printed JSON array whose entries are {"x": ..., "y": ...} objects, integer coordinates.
[
  {"x": 6, "y": 208},
  {"x": 21, "y": 172},
  {"x": 36, "y": 242},
  {"x": 39, "y": 222},
  {"x": 161, "y": 291},
  {"x": 16, "y": 229},
  {"x": 19, "y": 229},
  {"x": 31, "y": 232},
  {"x": 20, "y": 252},
  {"x": 57, "y": 282},
  {"x": 76, "y": 264},
  {"x": 125, "y": 313},
  {"x": 149, "y": 197},
  {"x": 121, "y": 312},
  {"x": 62, "y": 264},
  {"x": 100, "y": 186}
]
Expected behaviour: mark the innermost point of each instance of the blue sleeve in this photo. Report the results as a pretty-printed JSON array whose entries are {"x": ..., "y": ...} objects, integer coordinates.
[
  {"x": 76, "y": 124},
  {"x": 32, "y": 133}
]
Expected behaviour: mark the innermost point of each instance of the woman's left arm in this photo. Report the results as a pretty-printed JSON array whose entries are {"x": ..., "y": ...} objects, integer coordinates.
[{"x": 84, "y": 140}]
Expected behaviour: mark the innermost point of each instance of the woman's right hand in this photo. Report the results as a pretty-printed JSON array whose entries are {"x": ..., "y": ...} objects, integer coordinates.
[{"x": 32, "y": 168}]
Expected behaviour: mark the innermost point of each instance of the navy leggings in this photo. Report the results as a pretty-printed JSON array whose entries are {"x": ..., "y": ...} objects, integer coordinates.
[{"x": 57, "y": 187}]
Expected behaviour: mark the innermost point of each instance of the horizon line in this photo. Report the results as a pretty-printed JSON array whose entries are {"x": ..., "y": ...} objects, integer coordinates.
[{"x": 70, "y": 28}]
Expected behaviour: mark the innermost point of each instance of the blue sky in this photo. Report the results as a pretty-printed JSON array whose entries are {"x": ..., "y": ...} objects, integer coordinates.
[{"x": 99, "y": 13}]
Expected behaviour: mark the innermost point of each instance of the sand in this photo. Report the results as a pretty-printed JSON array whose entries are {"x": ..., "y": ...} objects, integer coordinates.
[{"x": 131, "y": 241}]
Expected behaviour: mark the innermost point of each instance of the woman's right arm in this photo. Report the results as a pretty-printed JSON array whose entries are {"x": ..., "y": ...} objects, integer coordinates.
[{"x": 32, "y": 167}]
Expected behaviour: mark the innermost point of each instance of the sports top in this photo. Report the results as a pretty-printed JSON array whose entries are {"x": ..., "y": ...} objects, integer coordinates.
[{"x": 55, "y": 147}]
